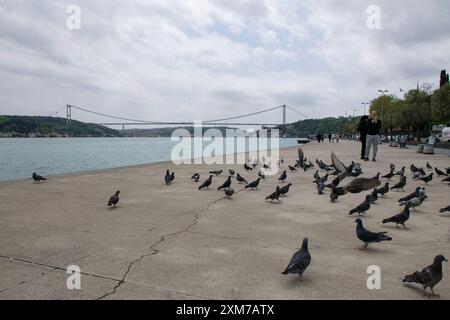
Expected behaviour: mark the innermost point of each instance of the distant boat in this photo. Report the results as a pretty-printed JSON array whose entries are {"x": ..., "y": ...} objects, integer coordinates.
[{"x": 303, "y": 140}]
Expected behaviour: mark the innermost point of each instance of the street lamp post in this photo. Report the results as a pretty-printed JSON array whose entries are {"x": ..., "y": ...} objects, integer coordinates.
[
  {"x": 382, "y": 101},
  {"x": 365, "y": 106}
]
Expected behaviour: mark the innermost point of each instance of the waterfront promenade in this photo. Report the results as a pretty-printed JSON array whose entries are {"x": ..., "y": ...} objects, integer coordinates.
[{"x": 176, "y": 242}]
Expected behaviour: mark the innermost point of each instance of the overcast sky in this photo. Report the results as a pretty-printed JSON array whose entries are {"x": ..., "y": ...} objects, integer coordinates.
[{"x": 195, "y": 59}]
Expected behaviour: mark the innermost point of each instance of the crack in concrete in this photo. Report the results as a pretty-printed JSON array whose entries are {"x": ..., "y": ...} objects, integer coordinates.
[
  {"x": 163, "y": 238},
  {"x": 53, "y": 267}
]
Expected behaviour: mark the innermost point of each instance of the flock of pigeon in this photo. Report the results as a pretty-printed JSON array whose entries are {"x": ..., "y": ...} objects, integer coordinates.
[{"x": 428, "y": 276}]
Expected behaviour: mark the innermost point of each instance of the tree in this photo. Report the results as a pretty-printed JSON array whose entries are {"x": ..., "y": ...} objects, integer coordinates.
[
  {"x": 444, "y": 78},
  {"x": 418, "y": 110},
  {"x": 440, "y": 104}
]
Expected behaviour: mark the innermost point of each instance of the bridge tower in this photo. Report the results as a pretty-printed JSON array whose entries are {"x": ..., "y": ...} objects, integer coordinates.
[
  {"x": 69, "y": 114},
  {"x": 284, "y": 114}
]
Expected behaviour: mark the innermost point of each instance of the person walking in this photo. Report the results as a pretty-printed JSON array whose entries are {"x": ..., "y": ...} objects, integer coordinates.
[
  {"x": 362, "y": 129},
  {"x": 329, "y": 137},
  {"x": 373, "y": 133}
]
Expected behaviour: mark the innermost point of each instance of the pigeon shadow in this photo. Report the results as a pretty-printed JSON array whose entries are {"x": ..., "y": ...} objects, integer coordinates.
[{"x": 415, "y": 289}]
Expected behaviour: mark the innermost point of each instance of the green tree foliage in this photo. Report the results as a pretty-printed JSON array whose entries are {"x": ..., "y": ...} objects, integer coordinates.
[
  {"x": 307, "y": 127},
  {"x": 25, "y": 125},
  {"x": 440, "y": 104}
]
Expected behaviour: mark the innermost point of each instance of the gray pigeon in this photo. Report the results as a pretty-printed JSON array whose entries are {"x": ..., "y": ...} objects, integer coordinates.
[
  {"x": 414, "y": 202},
  {"x": 206, "y": 184},
  {"x": 367, "y": 236},
  {"x": 240, "y": 179},
  {"x": 401, "y": 184},
  {"x": 37, "y": 178},
  {"x": 374, "y": 196},
  {"x": 283, "y": 176},
  {"x": 114, "y": 200},
  {"x": 429, "y": 276},
  {"x": 226, "y": 184},
  {"x": 168, "y": 177},
  {"x": 284, "y": 190},
  {"x": 274, "y": 195},
  {"x": 446, "y": 209},
  {"x": 299, "y": 261},
  {"x": 320, "y": 187},
  {"x": 416, "y": 193},
  {"x": 383, "y": 190},
  {"x": 253, "y": 185},
  {"x": 363, "y": 207},
  {"x": 427, "y": 179},
  {"x": 229, "y": 192},
  {"x": 400, "y": 218}
]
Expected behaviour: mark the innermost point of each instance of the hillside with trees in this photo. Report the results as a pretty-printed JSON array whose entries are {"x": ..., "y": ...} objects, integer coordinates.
[{"x": 31, "y": 126}]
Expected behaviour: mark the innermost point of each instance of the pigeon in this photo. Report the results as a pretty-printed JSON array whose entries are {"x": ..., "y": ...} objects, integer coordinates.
[
  {"x": 206, "y": 184},
  {"x": 232, "y": 172},
  {"x": 322, "y": 179},
  {"x": 195, "y": 177},
  {"x": 228, "y": 193},
  {"x": 413, "y": 168},
  {"x": 216, "y": 172},
  {"x": 284, "y": 190},
  {"x": 417, "y": 175},
  {"x": 401, "y": 184},
  {"x": 172, "y": 177},
  {"x": 389, "y": 175},
  {"x": 416, "y": 193},
  {"x": 446, "y": 209},
  {"x": 38, "y": 178},
  {"x": 447, "y": 170},
  {"x": 299, "y": 261},
  {"x": 261, "y": 175},
  {"x": 240, "y": 179},
  {"x": 363, "y": 184},
  {"x": 446, "y": 179},
  {"x": 367, "y": 236},
  {"x": 429, "y": 167},
  {"x": 283, "y": 176},
  {"x": 316, "y": 175},
  {"x": 400, "y": 218},
  {"x": 400, "y": 172},
  {"x": 429, "y": 276},
  {"x": 114, "y": 200},
  {"x": 363, "y": 207},
  {"x": 374, "y": 196},
  {"x": 439, "y": 172},
  {"x": 254, "y": 165},
  {"x": 336, "y": 192},
  {"x": 226, "y": 184},
  {"x": 383, "y": 190},
  {"x": 392, "y": 167},
  {"x": 168, "y": 177},
  {"x": 265, "y": 166},
  {"x": 274, "y": 195},
  {"x": 333, "y": 197},
  {"x": 422, "y": 172},
  {"x": 246, "y": 167},
  {"x": 292, "y": 168},
  {"x": 414, "y": 202},
  {"x": 320, "y": 187},
  {"x": 253, "y": 185},
  {"x": 427, "y": 179}
]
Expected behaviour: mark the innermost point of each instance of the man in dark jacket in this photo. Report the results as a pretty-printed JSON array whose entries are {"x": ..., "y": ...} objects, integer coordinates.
[
  {"x": 362, "y": 128},
  {"x": 373, "y": 133}
]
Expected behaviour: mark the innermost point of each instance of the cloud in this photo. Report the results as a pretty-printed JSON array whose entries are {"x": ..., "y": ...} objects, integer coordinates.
[{"x": 180, "y": 60}]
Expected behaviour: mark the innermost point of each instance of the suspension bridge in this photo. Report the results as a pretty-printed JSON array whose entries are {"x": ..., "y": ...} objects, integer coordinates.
[{"x": 230, "y": 121}]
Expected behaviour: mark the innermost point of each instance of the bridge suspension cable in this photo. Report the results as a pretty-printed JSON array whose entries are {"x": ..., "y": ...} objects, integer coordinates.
[{"x": 159, "y": 122}]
